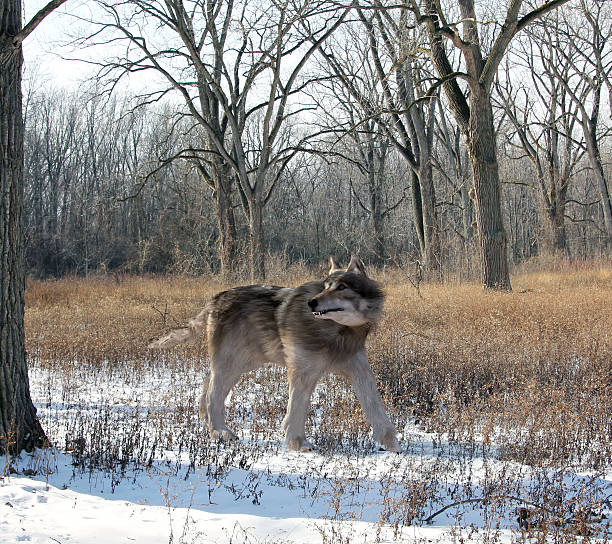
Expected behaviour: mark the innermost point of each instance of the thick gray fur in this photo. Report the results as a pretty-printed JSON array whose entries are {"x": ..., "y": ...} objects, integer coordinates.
[{"x": 313, "y": 329}]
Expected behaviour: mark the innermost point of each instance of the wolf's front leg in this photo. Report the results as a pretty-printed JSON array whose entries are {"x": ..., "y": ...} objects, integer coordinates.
[
  {"x": 302, "y": 382},
  {"x": 362, "y": 378}
]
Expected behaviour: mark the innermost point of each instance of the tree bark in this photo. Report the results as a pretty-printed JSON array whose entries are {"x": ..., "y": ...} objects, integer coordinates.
[
  {"x": 227, "y": 234},
  {"x": 433, "y": 258},
  {"x": 555, "y": 227},
  {"x": 417, "y": 212},
  {"x": 595, "y": 160},
  {"x": 554, "y": 219},
  {"x": 225, "y": 221},
  {"x": 256, "y": 241},
  {"x": 481, "y": 144},
  {"x": 19, "y": 427}
]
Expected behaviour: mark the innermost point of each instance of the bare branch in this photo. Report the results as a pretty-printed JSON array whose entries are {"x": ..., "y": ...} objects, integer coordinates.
[{"x": 36, "y": 20}]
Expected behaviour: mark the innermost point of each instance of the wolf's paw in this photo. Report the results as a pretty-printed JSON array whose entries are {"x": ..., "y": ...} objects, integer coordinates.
[
  {"x": 225, "y": 435},
  {"x": 300, "y": 444},
  {"x": 390, "y": 442}
]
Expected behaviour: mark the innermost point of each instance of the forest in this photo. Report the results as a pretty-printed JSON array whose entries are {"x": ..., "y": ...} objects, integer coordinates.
[{"x": 269, "y": 134}]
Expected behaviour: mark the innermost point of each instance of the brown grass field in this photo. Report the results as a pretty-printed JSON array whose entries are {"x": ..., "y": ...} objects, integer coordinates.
[{"x": 529, "y": 371}]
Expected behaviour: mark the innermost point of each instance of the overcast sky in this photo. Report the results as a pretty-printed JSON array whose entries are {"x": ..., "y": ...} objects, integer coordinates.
[
  {"x": 46, "y": 51},
  {"x": 42, "y": 61}
]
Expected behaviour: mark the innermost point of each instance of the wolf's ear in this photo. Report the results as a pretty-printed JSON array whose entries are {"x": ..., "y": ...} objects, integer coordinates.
[
  {"x": 356, "y": 265},
  {"x": 333, "y": 265}
]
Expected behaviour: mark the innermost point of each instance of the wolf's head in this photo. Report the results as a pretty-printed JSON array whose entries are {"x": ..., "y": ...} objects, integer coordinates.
[{"x": 349, "y": 296}]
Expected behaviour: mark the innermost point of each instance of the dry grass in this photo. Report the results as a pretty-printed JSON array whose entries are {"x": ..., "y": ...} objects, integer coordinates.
[
  {"x": 529, "y": 371},
  {"x": 523, "y": 376}
]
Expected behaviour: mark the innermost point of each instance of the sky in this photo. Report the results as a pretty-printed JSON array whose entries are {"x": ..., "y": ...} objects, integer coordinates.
[
  {"x": 43, "y": 49},
  {"x": 49, "y": 57},
  {"x": 47, "y": 49}
]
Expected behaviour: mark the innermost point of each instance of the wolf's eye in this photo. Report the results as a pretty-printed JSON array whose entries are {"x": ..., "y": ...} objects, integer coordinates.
[{"x": 340, "y": 287}]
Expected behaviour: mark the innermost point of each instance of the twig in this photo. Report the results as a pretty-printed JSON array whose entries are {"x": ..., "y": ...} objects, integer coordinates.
[
  {"x": 163, "y": 314},
  {"x": 417, "y": 334},
  {"x": 488, "y": 499}
]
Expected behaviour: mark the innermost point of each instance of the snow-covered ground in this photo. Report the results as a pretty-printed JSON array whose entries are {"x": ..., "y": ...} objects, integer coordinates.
[
  {"x": 135, "y": 470},
  {"x": 157, "y": 508}
]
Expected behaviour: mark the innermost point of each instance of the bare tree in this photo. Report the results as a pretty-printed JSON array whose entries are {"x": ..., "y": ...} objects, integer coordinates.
[
  {"x": 19, "y": 426},
  {"x": 217, "y": 56},
  {"x": 587, "y": 49},
  {"x": 358, "y": 136},
  {"x": 395, "y": 98},
  {"x": 472, "y": 109},
  {"x": 52, "y": 156},
  {"x": 543, "y": 117}
]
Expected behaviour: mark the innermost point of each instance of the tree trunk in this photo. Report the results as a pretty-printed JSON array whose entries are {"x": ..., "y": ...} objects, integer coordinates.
[
  {"x": 256, "y": 240},
  {"x": 431, "y": 237},
  {"x": 598, "y": 172},
  {"x": 556, "y": 239},
  {"x": 375, "y": 175},
  {"x": 225, "y": 222},
  {"x": 227, "y": 234},
  {"x": 554, "y": 221},
  {"x": 19, "y": 426},
  {"x": 417, "y": 213},
  {"x": 487, "y": 188}
]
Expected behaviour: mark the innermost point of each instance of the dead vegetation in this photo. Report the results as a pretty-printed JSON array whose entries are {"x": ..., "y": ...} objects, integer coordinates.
[
  {"x": 530, "y": 371},
  {"x": 522, "y": 376}
]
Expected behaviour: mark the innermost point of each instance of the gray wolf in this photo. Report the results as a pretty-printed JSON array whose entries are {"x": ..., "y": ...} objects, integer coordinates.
[{"x": 314, "y": 329}]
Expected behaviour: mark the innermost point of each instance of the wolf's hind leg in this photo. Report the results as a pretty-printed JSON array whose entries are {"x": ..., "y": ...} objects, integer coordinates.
[
  {"x": 301, "y": 386},
  {"x": 362, "y": 378},
  {"x": 202, "y": 402},
  {"x": 212, "y": 402}
]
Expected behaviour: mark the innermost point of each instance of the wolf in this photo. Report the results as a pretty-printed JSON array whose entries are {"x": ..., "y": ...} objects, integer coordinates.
[{"x": 314, "y": 329}]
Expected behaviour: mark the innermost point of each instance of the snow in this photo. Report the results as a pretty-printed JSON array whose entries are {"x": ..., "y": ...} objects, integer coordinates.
[
  {"x": 254, "y": 491},
  {"x": 153, "y": 507},
  {"x": 138, "y": 511}
]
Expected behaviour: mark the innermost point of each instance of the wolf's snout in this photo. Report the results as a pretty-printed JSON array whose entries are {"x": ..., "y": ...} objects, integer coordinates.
[{"x": 313, "y": 303}]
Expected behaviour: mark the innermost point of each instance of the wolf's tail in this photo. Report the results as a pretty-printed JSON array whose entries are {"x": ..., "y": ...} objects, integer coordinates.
[{"x": 185, "y": 335}]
